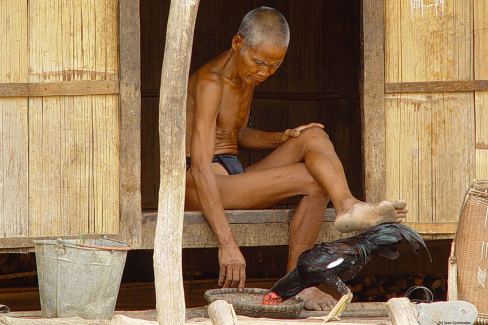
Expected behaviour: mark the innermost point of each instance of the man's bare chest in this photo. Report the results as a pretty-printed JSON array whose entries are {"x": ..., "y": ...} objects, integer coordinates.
[{"x": 234, "y": 109}]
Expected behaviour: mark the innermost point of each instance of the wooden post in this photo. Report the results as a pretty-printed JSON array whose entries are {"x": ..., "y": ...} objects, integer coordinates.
[
  {"x": 130, "y": 123},
  {"x": 170, "y": 302},
  {"x": 373, "y": 99}
]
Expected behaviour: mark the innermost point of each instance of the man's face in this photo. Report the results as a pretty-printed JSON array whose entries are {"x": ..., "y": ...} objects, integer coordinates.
[{"x": 256, "y": 64}]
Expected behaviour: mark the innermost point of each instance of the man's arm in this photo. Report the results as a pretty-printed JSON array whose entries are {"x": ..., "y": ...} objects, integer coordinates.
[
  {"x": 258, "y": 140},
  {"x": 207, "y": 102}
]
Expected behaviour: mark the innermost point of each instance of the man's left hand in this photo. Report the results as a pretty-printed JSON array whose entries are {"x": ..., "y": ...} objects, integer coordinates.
[{"x": 295, "y": 133}]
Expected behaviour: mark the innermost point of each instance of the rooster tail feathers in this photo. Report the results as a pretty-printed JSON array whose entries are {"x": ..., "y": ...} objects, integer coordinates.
[
  {"x": 289, "y": 285},
  {"x": 386, "y": 235},
  {"x": 413, "y": 239}
]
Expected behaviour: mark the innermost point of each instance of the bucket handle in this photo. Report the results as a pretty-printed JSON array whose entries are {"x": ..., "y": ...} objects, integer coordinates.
[
  {"x": 107, "y": 248},
  {"x": 59, "y": 247}
]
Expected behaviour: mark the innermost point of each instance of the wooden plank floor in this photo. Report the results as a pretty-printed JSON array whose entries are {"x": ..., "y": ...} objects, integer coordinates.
[
  {"x": 356, "y": 313},
  {"x": 137, "y": 300}
]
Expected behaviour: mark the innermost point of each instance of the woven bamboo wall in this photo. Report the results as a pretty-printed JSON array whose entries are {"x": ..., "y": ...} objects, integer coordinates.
[
  {"x": 435, "y": 141},
  {"x": 481, "y": 97},
  {"x": 59, "y": 161}
]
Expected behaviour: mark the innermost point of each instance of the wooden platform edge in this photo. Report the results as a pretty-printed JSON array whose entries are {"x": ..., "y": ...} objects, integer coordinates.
[
  {"x": 251, "y": 228},
  {"x": 353, "y": 310}
]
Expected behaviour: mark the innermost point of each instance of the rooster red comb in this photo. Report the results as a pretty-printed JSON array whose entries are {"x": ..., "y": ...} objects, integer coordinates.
[{"x": 271, "y": 298}]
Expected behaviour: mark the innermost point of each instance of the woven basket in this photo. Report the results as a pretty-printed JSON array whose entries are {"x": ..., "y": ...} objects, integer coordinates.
[
  {"x": 470, "y": 251},
  {"x": 239, "y": 298}
]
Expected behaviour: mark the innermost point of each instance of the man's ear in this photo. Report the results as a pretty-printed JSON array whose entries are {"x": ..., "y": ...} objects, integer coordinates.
[{"x": 237, "y": 42}]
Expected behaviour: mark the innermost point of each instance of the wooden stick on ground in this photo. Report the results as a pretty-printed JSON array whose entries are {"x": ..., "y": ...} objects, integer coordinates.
[
  {"x": 401, "y": 311},
  {"x": 170, "y": 302},
  {"x": 222, "y": 313},
  {"x": 452, "y": 289}
]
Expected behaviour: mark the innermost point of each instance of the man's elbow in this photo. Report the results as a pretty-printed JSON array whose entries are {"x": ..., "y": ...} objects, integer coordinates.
[
  {"x": 199, "y": 170},
  {"x": 242, "y": 136}
]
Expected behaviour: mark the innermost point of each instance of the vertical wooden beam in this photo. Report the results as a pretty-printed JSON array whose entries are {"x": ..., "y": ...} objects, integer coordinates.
[
  {"x": 372, "y": 99},
  {"x": 170, "y": 302},
  {"x": 130, "y": 123}
]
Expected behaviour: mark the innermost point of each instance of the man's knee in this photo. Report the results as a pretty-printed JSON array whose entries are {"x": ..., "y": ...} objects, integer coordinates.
[
  {"x": 314, "y": 132},
  {"x": 315, "y": 138}
]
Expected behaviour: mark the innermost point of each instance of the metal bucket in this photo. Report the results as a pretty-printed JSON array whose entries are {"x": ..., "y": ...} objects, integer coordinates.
[{"x": 79, "y": 277}]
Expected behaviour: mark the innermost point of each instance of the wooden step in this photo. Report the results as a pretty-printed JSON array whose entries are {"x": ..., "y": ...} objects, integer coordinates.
[{"x": 249, "y": 227}]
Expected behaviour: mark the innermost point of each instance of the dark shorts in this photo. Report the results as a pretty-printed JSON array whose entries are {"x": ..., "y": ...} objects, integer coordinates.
[{"x": 230, "y": 162}]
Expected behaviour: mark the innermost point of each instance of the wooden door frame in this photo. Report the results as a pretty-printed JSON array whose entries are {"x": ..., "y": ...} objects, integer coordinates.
[
  {"x": 372, "y": 90},
  {"x": 372, "y": 108},
  {"x": 372, "y": 94},
  {"x": 130, "y": 123}
]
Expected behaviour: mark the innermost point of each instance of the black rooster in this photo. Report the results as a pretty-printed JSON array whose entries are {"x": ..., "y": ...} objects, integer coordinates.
[{"x": 341, "y": 260}]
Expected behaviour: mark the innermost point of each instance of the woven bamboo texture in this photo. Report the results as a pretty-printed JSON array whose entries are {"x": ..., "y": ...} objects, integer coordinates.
[
  {"x": 471, "y": 249},
  {"x": 59, "y": 154},
  {"x": 430, "y": 134}
]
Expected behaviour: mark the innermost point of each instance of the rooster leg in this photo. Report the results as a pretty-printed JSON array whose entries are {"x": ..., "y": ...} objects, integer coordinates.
[{"x": 341, "y": 305}]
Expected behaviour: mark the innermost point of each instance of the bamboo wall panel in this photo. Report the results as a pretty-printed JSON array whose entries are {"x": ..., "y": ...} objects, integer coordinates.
[
  {"x": 428, "y": 43},
  {"x": 72, "y": 40},
  {"x": 13, "y": 168},
  {"x": 59, "y": 167},
  {"x": 482, "y": 135},
  {"x": 481, "y": 98},
  {"x": 13, "y": 121},
  {"x": 430, "y": 154},
  {"x": 13, "y": 41},
  {"x": 74, "y": 187},
  {"x": 480, "y": 39},
  {"x": 430, "y": 158}
]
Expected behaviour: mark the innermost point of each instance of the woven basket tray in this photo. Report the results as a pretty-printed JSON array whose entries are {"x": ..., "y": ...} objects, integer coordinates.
[{"x": 247, "y": 302}]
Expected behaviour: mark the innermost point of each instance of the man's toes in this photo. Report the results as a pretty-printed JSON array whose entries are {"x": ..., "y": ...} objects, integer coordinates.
[
  {"x": 325, "y": 306},
  {"x": 399, "y": 204},
  {"x": 313, "y": 306},
  {"x": 401, "y": 215}
]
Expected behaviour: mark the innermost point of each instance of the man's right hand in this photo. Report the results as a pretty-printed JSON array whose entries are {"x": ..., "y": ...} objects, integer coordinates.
[
  {"x": 295, "y": 133},
  {"x": 232, "y": 266}
]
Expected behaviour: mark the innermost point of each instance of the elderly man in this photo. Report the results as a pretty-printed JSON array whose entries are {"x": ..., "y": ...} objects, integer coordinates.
[{"x": 303, "y": 161}]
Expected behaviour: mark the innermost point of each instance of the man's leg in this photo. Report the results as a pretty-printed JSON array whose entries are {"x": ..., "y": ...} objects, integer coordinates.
[
  {"x": 304, "y": 229},
  {"x": 263, "y": 188},
  {"x": 315, "y": 149}
]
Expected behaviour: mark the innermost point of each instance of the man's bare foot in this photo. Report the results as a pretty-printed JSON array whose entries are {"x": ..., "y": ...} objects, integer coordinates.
[
  {"x": 363, "y": 215},
  {"x": 316, "y": 299}
]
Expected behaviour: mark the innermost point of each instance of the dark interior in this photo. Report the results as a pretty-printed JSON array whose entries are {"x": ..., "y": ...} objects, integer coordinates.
[{"x": 318, "y": 82}]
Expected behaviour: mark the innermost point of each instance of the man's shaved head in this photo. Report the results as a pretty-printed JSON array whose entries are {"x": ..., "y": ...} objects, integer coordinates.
[{"x": 264, "y": 24}]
